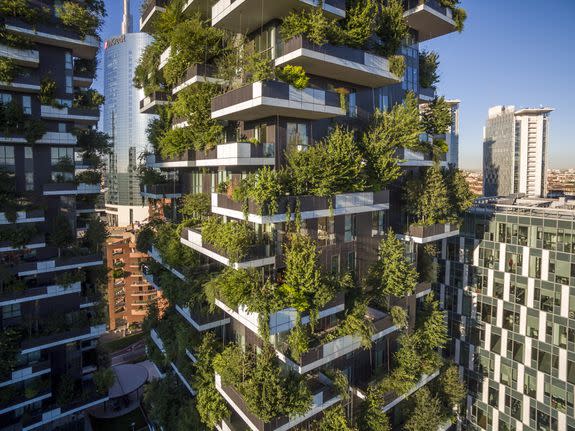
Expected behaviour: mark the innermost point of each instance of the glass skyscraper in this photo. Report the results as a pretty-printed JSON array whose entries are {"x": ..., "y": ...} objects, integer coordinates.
[{"x": 125, "y": 124}]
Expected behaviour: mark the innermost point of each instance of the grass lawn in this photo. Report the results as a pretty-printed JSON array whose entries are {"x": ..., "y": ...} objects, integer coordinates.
[
  {"x": 121, "y": 343},
  {"x": 123, "y": 423}
]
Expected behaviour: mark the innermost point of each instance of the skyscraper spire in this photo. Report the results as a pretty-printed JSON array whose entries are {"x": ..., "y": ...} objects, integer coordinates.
[{"x": 127, "y": 18}]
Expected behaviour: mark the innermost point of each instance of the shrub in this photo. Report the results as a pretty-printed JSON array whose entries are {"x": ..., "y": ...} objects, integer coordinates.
[
  {"x": 196, "y": 206},
  {"x": 397, "y": 65},
  {"x": 428, "y": 65},
  {"x": 103, "y": 380},
  {"x": 293, "y": 75},
  {"x": 8, "y": 69},
  {"x": 391, "y": 28},
  {"x": 89, "y": 177},
  {"x": 80, "y": 18},
  {"x": 233, "y": 239},
  {"x": 88, "y": 99},
  {"x": 264, "y": 187},
  {"x": 47, "y": 94},
  {"x": 426, "y": 198}
]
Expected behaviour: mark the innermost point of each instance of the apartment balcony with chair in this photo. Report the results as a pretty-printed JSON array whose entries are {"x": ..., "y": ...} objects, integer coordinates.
[
  {"x": 258, "y": 255},
  {"x": 270, "y": 98},
  {"x": 429, "y": 18},
  {"x": 310, "y": 207},
  {"x": 337, "y": 62},
  {"x": 245, "y": 16},
  {"x": 151, "y": 12},
  {"x": 149, "y": 104}
]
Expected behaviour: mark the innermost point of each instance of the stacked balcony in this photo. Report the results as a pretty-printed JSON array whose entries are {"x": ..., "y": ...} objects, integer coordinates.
[
  {"x": 80, "y": 115},
  {"x": 426, "y": 234},
  {"x": 201, "y": 318},
  {"x": 150, "y": 14},
  {"x": 197, "y": 73},
  {"x": 310, "y": 207},
  {"x": 55, "y": 34},
  {"x": 58, "y": 264},
  {"x": 161, "y": 191},
  {"x": 233, "y": 154},
  {"x": 258, "y": 255},
  {"x": 429, "y": 18},
  {"x": 245, "y": 16},
  {"x": 59, "y": 189},
  {"x": 270, "y": 98},
  {"x": 22, "y": 57},
  {"x": 149, "y": 104},
  {"x": 28, "y": 82},
  {"x": 337, "y": 62},
  {"x": 31, "y": 216}
]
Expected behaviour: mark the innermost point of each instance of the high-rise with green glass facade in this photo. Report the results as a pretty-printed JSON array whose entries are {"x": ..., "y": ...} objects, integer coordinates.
[{"x": 508, "y": 283}]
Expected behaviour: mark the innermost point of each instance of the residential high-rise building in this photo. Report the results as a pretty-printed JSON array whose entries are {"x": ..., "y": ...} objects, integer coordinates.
[
  {"x": 124, "y": 122},
  {"x": 51, "y": 263},
  {"x": 515, "y": 151},
  {"x": 507, "y": 283},
  {"x": 129, "y": 294},
  {"x": 269, "y": 324}
]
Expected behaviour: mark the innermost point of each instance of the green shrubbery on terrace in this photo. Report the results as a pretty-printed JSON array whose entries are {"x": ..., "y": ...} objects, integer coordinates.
[{"x": 232, "y": 239}]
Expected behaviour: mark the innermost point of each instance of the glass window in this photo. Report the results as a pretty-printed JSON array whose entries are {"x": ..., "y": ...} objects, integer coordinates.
[
  {"x": 27, "y": 105},
  {"x": 297, "y": 136},
  {"x": 352, "y": 104},
  {"x": 350, "y": 228},
  {"x": 11, "y": 311},
  {"x": 335, "y": 264},
  {"x": 377, "y": 223},
  {"x": 28, "y": 153},
  {"x": 68, "y": 63},
  {"x": 29, "y": 176},
  {"x": 5, "y": 98},
  {"x": 351, "y": 261},
  {"x": 6, "y": 155},
  {"x": 382, "y": 100},
  {"x": 325, "y": 231},
  {"x": 532, "y": 326},
  {"x": 69, "y": 86}
]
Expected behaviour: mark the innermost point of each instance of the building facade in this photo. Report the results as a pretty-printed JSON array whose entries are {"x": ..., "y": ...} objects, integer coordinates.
[
  {"x": 129, "y": 294},
  {"x": 50, "y": 267},
  {"x": 264, "y": 120},
  {"x": 515, "y": 151},
  {"x": 124, "y": 122},
  {"x": 507, "y": 283}
]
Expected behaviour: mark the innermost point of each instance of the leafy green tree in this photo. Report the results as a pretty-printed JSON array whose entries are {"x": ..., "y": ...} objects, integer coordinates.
[
  {"x": 399, "y": 317},
  {"x": 232, "y": 239},
  {"x": 426, "y": 414},
  {"x": 390, "y": 27},
  {"x": 94, "y": 145},
  {"x": 147, "y": 75},
  {"x": 460, "y": 196},
  {"x": 355, "y": 323},
  {"x": 436, "y": 117},
  {"x": 66, "y": 390},
  {"x": 426, "y": 198},
  {"x": 451, "y": 387},
  {"x": 9, "y": 349},
  {"x": 84, "y": 20},
  {"x": 392, "y": 274},
  {"x": 264, "y": 187},
  {"x": 298, "y": 339},
  {"x": 196, "y": 206},
  {"x": 359, "y": 23},
  {"x": 62, "y": 235},
  {"x": 372, "y": 417},
  {"x": 428, "y": 65},
  {"x": 293, "y": 75},
  {"x": 159, "y": 126},
  {"x": 334, "y": 165},
  {"x": 96, "y": 234},
  {"x": 333, "y": 420},
  {"x": 433, "y": 327},
  {"x": 8, "y": 69},
  {"x": 104, "y": 379},
  {"x": 212, "y": 408}
]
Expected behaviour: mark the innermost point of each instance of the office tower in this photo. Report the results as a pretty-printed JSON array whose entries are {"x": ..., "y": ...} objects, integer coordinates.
[
  {"x": 252, "y": 253},
  {"x": 508, "y": 283},
  {"x": 51, "y": 264},
  {"x": 124, "y": 122},
  {"x": 452, "y": 136},
  {"x": 129, "y": 294},
  {"x": 515, "y": 151}
]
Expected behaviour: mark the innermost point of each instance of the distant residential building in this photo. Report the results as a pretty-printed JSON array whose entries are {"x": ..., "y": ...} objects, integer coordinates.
[
  {"x": 129, "y": 294},
  {"x": 515, "y": 151},
  {"x": 124, "y": 122}
]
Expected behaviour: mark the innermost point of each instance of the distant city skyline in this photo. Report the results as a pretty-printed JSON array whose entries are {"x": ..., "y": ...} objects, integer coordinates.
[{"x": 490, "y": 74}]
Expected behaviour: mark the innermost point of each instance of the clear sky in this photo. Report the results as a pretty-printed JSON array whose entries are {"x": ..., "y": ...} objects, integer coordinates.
[{"x": 512, "y": 52}]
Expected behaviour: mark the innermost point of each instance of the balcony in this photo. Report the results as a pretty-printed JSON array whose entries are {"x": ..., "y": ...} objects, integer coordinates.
[
  {"x": 22, "y": 57},
  {"x": 337, "y": 62},
  {"x": 325, "y": 352},
  {"x": 418, "y": 158},
  {"x": 270, "y": 98},
  {"x": 38, "y": 293},
  {"x": 49, "y": 138},
  {"x": 257, "y": 256},
  {"x": 31, "y": 216},
  {"x": 245, "y": 16},
  {"x": 197, "y": 73},
  {"x": 59, "y": 189},
  {"x": 55, "y": 34},
  {"x": 82, "y": 81},
  {"x": 202, "y": 6},
  {"x": 149, "y": 104},
  {"x": 151, "y": 13},
  {"x": 427, "y": 234},
  {"x": 38, "y": 241},
  {"x": 58, "y": 264},
  {"x": 202, "y": 319},
  {"x": 27, "y": 373},
  {"x": 20, "y": 400},
  {"x": 89, "y": 116},
  {"x": 429, "y": 18},
  {"x": 26, "y": 80},
  {"x": 161, "y": 191},
  {"x": 426, "y": 95},
  {"x": 155, "y": 254},
  {"x": 46, "y": 342},
  {"x": 323, "y": 397},
  {"x": 234, "y": 154},
  {"x": 311, "y": 207}
]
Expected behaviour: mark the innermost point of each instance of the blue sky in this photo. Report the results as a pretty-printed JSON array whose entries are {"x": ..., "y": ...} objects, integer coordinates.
[{"x": 512, "y": 52}]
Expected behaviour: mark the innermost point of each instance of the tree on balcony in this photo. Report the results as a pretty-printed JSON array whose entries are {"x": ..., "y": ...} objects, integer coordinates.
[
  {"x": 94, "y": 146},
  {"x": 88, "y": 99},
  {"x": 196, "y": 207},
  {"x": 89, "y": 177},
  {"x": 173, "y": 252},
  {"x": 264, "y": 187},
  {"x": 232, "y": 239},
  {"x": 147, "y": 76},
  {"x": 459, "y": 14},
  {"x": 104, "y": 379},
  {"x": 459, "y": 194},
  {"x": 150, "y": 176},
  {"x": 426, "y": 197},
  {"x": 66, "y": 390},
  {"x": 8, "y": 69},
  {"x": 390, "y": 28},
  {"x": 86, "y": 19},
  {"x": 47, "y": 94},
  {"x": 19, "y": 236},
  {"x": 372, "y": 417},
  {"x": 392, "y": 274},
  {"x": 428, "y": 65},
  {"x": 96, "y": 234},
  {"x": 159, "y": 126},
  {"x": 426, "y": 415},
  {"x": 9, "y": 348},
  {"x": 451, "y": 390},
  {"x": 62, "y": 235}
]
